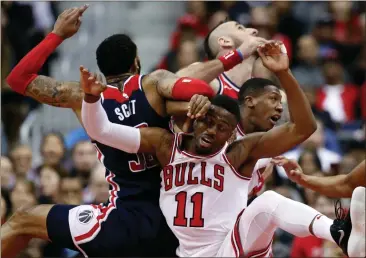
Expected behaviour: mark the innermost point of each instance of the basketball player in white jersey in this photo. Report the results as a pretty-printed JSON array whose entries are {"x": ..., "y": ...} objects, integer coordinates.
[{"x": 203, "y": 194}]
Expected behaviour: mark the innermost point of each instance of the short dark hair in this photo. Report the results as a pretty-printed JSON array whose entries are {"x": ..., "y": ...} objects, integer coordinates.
[
  {"x": 230, "y": 104},
  {"x": 206, "y": 43},
  {"x": 116, "y": 54},
  {"x": 253, "y": 86}
]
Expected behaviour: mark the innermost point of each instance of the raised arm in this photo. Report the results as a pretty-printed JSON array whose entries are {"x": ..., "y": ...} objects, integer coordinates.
[
  {"x": 282, "y": 138},
  {"x": 24, "y": 78},
  {"x": 156, "y": 141},
  {"x": 340, "y": 186},
  {"x": 209, "y": 71}
]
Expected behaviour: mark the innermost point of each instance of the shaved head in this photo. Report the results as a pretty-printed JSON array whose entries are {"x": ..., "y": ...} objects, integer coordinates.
[
  {"x": 227, "y": 35},
  {"x": 211, "y": 45}
]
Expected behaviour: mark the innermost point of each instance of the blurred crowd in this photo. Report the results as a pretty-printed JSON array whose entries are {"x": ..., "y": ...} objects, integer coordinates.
[{"x": 326, "y": 46}]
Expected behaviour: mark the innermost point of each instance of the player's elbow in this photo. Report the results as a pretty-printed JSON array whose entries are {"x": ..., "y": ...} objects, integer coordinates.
[
  {"x": 159, "y": 74},
  {"x": 301, "y": 134}
]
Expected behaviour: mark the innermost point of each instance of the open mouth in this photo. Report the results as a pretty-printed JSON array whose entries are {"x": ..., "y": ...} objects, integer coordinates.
[
  {"x": 274, "y": 119},
  {"x": 205, "y": 141}
]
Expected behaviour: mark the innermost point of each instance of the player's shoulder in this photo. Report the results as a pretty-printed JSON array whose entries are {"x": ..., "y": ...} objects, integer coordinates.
[{"x": 132, "y": 84}]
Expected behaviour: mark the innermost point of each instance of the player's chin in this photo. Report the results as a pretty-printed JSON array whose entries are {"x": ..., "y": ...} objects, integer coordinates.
[{"x": 204, "y": 150}]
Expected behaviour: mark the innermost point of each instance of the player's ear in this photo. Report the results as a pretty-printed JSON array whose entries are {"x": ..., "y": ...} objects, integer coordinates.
[
  {"x": 225, "y": 42},
  {"x": 136, "y": 65},
  {"x": 249, "y": 101}
]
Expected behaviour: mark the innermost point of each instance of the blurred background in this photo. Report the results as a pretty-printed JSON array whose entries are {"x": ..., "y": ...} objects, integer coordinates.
[{"x": 48, "y": 158}]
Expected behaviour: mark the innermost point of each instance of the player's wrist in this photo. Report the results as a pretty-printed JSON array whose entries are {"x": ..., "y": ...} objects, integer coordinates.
[
  {"x": 231, "y": 59},
  {"x": 56, "y": 35},
  {"x": 89, "y": 98}
]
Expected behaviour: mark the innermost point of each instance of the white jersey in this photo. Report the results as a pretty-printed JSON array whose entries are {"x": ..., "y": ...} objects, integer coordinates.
[
  {"x": 256, "y": 182},
  {"x": 200, "y": 198}
]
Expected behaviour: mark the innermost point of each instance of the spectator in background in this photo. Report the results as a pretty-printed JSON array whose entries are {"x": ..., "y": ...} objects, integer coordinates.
[
  {"x": 53, "y": 152},
  {"x": 25, "y": 25},
  {"x": 186, "y": 32},
  {"x": 310, "y": 162},
  {"x": 288, "y": 24},
  {"x": 337, "y": 97},
  {"x": 323, "y": 33},
  {"x": 71, "y": 191},
  {"x": 308, "y": 71},
  {"x": 98, "y": 186},
  {"x": 53, "y": 149},
  {"x": 50, "y": 180},
  {"x": 323, "y": 115},
  {"x": 24, "y": 193},
  {"x": 84, "y": 159},
  {"x": 348, "y": 28},
  {"x": 7, "y": 174},
  {"x": 21, "y": 157},
  {"x": 216, "y": 18},
  {"x": 265, "y": 20},
  {"x": 316, "y": 143}
]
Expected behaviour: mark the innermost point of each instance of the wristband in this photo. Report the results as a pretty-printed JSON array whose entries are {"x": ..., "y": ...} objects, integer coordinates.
[{"x": 231, "y": 59}]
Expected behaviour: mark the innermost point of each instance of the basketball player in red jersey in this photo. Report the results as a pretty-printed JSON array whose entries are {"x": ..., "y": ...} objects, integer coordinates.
[{"x": 224, "y": 41}]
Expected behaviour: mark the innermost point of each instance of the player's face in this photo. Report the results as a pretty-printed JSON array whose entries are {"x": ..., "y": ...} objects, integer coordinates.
[
  {"x": 267, "y": 109},
  {"x": 214, "y": 130},
  {"x": 240, "y": 33}
]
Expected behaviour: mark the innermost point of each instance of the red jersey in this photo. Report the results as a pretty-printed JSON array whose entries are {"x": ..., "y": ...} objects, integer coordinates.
[{"x": 227, "y": 87}]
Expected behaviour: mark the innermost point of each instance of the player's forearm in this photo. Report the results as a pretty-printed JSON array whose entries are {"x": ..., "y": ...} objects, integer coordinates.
[
  {"x": 177, "y": 108},
  {"x": 98, "y": 127},
  {"x": 207, "y": 71},
  {"x": 26, "y": 70},
  {"x": 49, "y": 91},
  {"x": 333, "y": 186},
  {"x": 25, "y": 80},
  {"x": 300, "y": 110}
]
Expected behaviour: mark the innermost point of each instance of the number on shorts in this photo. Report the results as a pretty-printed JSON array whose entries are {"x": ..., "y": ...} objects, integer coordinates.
[
  {"x": 143, "y": 161},
  {"x": 180, "y": 218}
]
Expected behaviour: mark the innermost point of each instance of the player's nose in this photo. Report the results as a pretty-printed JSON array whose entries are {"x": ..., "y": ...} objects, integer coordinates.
[
  {"x": 279, "y": 108},
  {"x": 253, "y": 32}
]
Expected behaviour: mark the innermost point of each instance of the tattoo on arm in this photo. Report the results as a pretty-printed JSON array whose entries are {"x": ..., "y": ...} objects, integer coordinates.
[
  {"x": 55, "y": 93},
  {"x": 163, "y": 81}
]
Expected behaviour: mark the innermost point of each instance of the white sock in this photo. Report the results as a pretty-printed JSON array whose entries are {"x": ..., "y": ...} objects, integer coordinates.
[{"x": 321, "y": 227}]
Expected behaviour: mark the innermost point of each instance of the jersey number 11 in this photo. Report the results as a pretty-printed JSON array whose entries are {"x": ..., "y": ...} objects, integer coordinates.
[{"x": 180, "y": 218}]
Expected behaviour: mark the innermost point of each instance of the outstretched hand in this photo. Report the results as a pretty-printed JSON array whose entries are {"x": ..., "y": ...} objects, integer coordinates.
[
  {"x": 69, "y": 21},
  {"x": 291, "y": 167},
  {"x": 274, "y": 56},
  {"x": 90, "y": 83}
]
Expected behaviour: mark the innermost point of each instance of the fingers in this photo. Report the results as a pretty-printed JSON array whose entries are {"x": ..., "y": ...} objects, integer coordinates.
[
  {"x": 191, "y": 105},
  {"x": 84, "y": 73},
  {"x": 201, "y": 106},
  {"x": 83, "y": 8},
  {"x": 203, "y": 110}
]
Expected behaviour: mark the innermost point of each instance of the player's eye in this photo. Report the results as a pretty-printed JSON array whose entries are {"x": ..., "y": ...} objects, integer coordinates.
[{"x": 240, "y": 27}]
